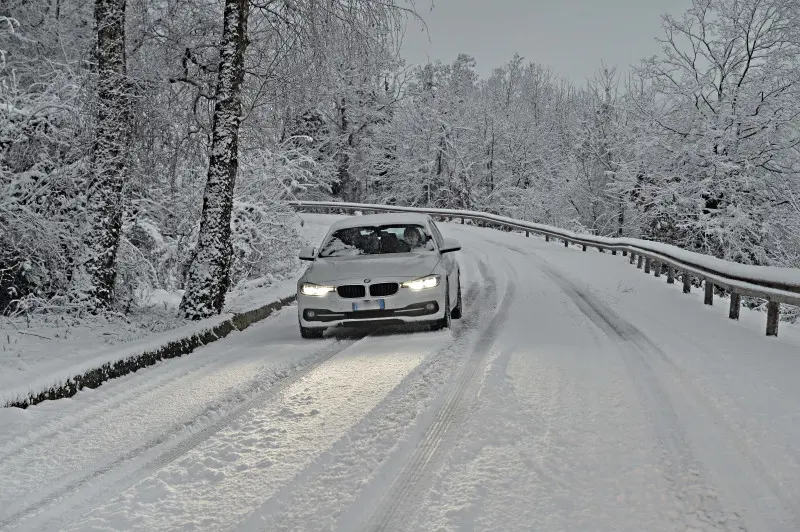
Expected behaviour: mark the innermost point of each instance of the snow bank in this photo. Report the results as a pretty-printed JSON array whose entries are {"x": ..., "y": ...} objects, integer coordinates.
[
  {"x": 119, "y": 361},
  {"x": 55, "y": 360}
]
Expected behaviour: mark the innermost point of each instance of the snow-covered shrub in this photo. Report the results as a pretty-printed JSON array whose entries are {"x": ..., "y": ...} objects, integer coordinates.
[
  {"x": 41, "y": 202},
  {"x": 265, "y": 244}
]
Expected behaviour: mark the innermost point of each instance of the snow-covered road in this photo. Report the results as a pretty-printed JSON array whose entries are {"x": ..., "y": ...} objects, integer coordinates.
[{"x": 576, "y": 394}]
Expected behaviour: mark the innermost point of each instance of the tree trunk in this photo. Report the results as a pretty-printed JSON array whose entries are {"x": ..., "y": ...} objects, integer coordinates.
[
  {"x": 344, "y": 186},
  {"x": 209, "y": 274},
  {"x": 93, "y": 280}
]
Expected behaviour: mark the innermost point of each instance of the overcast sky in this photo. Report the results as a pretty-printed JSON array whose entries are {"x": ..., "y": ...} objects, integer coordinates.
[{"x": 571, "y": 36}]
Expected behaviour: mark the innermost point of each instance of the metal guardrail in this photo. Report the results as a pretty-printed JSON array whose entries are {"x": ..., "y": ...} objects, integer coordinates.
[{"x": 737, "y": 279}]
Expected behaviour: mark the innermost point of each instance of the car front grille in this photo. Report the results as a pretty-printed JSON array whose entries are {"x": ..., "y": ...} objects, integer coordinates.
[
  {"x": 383, "y": 289},
  {"x": 351, "y": 291}
]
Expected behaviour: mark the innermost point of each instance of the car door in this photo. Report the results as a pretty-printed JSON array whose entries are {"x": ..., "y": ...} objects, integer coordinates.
[{"x": 448, "y": 259}]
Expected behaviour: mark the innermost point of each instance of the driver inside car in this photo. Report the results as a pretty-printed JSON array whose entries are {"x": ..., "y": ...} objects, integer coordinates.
[{"x": 413, "y": 237}]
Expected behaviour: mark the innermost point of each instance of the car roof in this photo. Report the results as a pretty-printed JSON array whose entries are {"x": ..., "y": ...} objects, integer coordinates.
[{"x": 381, "y": 219}]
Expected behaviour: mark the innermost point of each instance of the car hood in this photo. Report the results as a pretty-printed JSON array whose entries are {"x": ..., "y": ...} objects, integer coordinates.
[{"x": 397, "y": 266}]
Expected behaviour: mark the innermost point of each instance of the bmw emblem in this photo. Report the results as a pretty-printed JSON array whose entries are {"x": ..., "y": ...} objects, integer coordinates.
[{"x": 367, "y": 281}]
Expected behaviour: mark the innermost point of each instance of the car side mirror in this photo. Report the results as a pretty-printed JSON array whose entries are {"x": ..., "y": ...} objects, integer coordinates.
[
  {"x": 450, "y": 245},
  {"x": 307, "y": 253}
]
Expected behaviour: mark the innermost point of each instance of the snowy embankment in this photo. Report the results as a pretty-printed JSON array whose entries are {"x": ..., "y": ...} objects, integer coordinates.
[{"x": 53, "y": 357}]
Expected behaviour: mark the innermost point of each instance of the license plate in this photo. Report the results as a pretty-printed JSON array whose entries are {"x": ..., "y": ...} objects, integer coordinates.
[{"x": 369, "y": 304}]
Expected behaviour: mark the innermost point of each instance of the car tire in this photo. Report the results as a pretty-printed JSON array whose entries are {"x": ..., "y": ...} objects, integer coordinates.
[
  {"x": 456, "y": 313},
  {"x": 445, "y": 322},
  {"x": 311, "y": 333}
]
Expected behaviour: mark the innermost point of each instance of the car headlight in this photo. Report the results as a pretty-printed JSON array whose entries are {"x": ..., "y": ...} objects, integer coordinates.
[
  {"x": 311, "y": 289},
  {"x": 423, "y": 283}
]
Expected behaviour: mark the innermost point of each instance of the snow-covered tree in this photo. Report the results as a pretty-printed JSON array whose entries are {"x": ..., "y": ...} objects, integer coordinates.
[
  {"x": 93, "y": 281},
  {"x": 723, "y": 100},
  {"x": 699, "y": 147},
  {"x": 209, "y": 273}
]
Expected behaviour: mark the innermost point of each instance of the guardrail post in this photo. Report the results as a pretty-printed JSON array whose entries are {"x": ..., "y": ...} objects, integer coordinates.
[
  {"x": 566, "y": 243},
  {"x": 773, "y": 317},
  {"x": 624, "y": 252},
  {"x": 670, "y": 274},
  {"x": 657, "y": 268},
  {"x": 601, "y": 250},
  {"x": 647, "y": 265},
  {"x": 462, "y": 220},
  {"x": 709, "y": 299},
  {"x": 736, "y": 303},
  {"x": 527, "y": 234},
  {"x": 613, "y": 251},
  {"x": 639, "y": 262},
  {"x": 584, "y": 247},
  {"x": 687, "y": 283},
  {"x": 633, "y": 258},
  {"x": 547, "y": 238}
]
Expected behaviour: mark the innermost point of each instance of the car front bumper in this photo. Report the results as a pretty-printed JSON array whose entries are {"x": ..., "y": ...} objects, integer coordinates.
[{"x": 406, "y": 306}]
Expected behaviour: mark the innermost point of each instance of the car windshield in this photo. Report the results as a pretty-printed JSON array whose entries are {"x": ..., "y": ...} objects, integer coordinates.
[{"x": 377, "y": 240}]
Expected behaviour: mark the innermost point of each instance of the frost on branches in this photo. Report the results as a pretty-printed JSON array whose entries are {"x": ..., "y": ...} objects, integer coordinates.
[
  {"x": 109, "y": 198},
  {"x": 42, "y": 163}
]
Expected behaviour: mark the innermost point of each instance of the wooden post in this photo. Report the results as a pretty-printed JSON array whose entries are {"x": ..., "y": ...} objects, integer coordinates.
[
  {"x": 657, "y": 268},
  {"x": 670, "y": 274},
  {"x": 639, "y": 262},
  {"x": 584, "y": 247},
  {"x": 633, "y": 258},
  {"x": 687, "y": 283},
  {"x": 566, "y": 243},
  {"x": 736, "y": 303},
  {"x": 624, "y": 252},
  {"x": 527, "y": 234},
  {"x": 647, "y": 265},
  {"x": 547, "y": 238},
  {"x": 773, "y": 317},
  {"x": 462, "y": 221},
  {"x": 709, "y": 300},
  {"x": 613, "y": 251}
]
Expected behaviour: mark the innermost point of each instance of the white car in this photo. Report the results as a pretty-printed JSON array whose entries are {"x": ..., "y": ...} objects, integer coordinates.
[{"x": 380, "y": 269}]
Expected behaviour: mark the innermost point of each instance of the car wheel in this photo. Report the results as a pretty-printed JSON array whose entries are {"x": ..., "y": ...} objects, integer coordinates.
[
  {"x": 311, "y": 332},
  {"x": 445, "y": 322},
  {"x": 456, "y": 312}
]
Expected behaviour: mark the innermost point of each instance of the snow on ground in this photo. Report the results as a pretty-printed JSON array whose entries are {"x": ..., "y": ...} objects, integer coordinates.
[
  {"x": 78, "y": 447},
  {"x": 38, "y": 352},
  {"x": 575, "y": 394}
]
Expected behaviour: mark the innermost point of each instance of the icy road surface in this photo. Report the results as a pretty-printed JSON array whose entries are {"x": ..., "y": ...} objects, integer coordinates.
[{"x": 576, "y": 394}]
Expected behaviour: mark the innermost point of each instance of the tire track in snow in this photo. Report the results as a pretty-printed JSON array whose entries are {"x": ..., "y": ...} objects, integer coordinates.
[
  {"x": 408, "y": 485},
  {"x": 92, "y": 482},
  {"x": 309, "y": 495},
  {"x": 781, "y": 513},
  {"x": 683, "y": 471},
  {"x": 127, "y": 390}
]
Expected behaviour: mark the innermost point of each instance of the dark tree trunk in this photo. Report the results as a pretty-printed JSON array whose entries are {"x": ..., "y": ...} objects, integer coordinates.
[
  {"x": 346, "y": 186},
  {"x": 209, "y": 274},
  {"x": 93, "y": 281}
]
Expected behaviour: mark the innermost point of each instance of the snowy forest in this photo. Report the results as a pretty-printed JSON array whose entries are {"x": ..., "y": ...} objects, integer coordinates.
[{"x": 154, "y": 144}]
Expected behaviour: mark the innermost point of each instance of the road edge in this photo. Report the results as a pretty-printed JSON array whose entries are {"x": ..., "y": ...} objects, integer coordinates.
[{"x": 176, "y": 348}]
